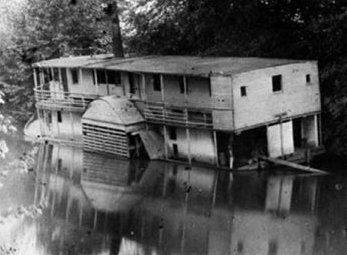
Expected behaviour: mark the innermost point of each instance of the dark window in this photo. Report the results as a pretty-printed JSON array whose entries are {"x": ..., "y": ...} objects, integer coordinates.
[
  {"x": 49, "y": 117},
  {"x": 74, "y": 75},
  {"x": 172, "y": 133},
  {"x": 182, "y": 90},
  {"x": 276, "y": 83},
  {"x": 175, "y": 149},
  {"x": 156, "y": 82},
  {"x": 210, "y": 88},
  {"x": 55, "y": 74},
  {"x": 101, "y": 77},
  {"x": 132, "y": 88},
  {"x": 114, "y": 77},
  {"x": 243, "y": 91},
  {"x": 59, "y": 116},
  {"x": 308, "y": 78},
  {"x": 60, "y": 164}
]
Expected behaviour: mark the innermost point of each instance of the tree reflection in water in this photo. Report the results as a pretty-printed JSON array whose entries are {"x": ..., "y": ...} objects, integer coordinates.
[{"x": 106, "y": 205}]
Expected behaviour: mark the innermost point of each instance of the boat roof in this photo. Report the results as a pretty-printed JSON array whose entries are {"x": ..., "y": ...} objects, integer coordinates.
[{"x": 179, "y": 65}]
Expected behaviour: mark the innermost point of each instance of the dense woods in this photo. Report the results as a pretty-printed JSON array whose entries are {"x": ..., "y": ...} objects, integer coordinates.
[{"x": 299, "y": 29}]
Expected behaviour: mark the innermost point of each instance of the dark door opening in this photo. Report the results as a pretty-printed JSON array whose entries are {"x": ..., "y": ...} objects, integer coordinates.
[{"x": 297, "y": 126}]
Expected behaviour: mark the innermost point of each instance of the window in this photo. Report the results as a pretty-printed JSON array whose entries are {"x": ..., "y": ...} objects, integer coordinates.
[
  {"x": 74, "y": 75},
  {"x": 308, "y": 78},
  {"x": 114, "y": 77},
  {"x": 182, "y": 89},
  {"x": 243, "y": 91},
  {"x": 172, "y": 133},
  {"x": 55, "y": 74},
  {"x": 59, "y": 116},
  {"x": 276, "y": 83},
  {"x": 156, "y": 82},
  {"x": 101, "y": 77},
  {"x": 175, "y": 149}
]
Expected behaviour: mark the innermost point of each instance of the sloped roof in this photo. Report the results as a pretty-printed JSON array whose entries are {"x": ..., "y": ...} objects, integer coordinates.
[
  {"x": 113, "y": 109},
  {"x": 180, "y": 65}
]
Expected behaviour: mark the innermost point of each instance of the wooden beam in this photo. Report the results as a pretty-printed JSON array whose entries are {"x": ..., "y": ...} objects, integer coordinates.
[
  {"x": 292, "y": 165},
  {"x": 143, "y": 78}
]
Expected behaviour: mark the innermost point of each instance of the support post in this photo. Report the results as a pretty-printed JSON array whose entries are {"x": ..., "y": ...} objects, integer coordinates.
[
  {"x": 165, "y": 142},
  {"x": 162, "y": 88},
  {"x": 215, "y": 147},
  {"x": 35, "y": 78},
  {"x": 185, "y": 89},
  {"x": 80, "y": 80},
  {"x": 107, "y": 85},
  {"x": 281, "y": 138},
  {"x": 96, "y": 81},
  {"x": 188, "y": 145},
  {"x": 144, "y": 86},
  {"x": 320, "y": 141}
]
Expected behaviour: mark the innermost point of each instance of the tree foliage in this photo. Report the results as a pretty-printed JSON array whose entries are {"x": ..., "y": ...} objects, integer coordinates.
[{"x": 298, "y": 29}]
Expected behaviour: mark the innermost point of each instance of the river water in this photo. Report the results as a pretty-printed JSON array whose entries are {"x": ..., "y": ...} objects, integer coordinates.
[{"x": 56, "y": 199}]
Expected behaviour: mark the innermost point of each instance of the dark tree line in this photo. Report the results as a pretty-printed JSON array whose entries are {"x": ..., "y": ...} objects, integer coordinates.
[{"x": 299, "y": 29}]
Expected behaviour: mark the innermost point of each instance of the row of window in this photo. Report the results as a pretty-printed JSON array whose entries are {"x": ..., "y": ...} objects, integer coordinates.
[
  {"x": 102, "y": 76},
  {"x": 276, "y": 84}
]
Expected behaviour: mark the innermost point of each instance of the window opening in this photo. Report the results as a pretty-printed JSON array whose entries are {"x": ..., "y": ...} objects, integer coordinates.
[
  {"x": 113, "y": 77},
  {"x": 308, "y": 78},
  {"x": 276, "y": 83},
  {"x": 59, "y": 116},
  {"x": 243, "y": 91},
  {"x": 156, "y": 82},
  {"x": 175, "y": 150},
  {"x": 74, "y": 75},
  {"x": 101, "y": 77},
  {"x": 172, "y": 133}
]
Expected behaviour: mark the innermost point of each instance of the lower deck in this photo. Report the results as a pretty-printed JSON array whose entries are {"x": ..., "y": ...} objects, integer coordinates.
[{"x": 295, "y": 140}]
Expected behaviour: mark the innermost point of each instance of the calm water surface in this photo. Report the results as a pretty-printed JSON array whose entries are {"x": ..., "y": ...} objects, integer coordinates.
[{"x": 72, "y": 202}]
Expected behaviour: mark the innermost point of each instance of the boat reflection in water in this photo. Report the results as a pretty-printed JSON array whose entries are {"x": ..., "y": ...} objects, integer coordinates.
[{"x": 105, "y": 205}]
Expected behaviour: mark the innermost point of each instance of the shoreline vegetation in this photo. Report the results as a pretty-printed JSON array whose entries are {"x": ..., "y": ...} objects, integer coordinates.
[{"x": 312, "y": 30}]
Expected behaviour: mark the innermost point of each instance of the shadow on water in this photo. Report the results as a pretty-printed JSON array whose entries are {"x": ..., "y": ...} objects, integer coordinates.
[{"x": 93, "y": 204}]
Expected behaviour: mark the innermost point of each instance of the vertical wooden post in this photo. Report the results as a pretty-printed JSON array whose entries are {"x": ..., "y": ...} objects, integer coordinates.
[
  {"x": 35, "y": 78},
  {"x": 281, "y": 138},
  {"x": 40, "y": 118},
  {"x": 165, "y": 142},
  {"x": 81, "y": 76},
  {"x": 185, "y": 89},
  {"x": 144, "y": 97},
  {"x": 215, "y": 147},
  {"x": 96, "y": 82},
  {"x": 188, "y": 145},
  {"x": 162, "y": 88},
  {"x": 72, "y": 125},
  {"x": 107, "y": 87}
]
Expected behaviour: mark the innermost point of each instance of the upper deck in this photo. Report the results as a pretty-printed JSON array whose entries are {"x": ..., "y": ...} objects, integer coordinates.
[{"x": 222, "y": 93}]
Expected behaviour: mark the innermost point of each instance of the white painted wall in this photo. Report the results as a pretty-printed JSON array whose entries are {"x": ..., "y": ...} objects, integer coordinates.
[
  {"x": 262, "y": 104},
  {"x": 310, "y": 130},
  {"x": 69, "y": 128},
  {"x": 275, "y": 139},
  {"x": 201, "y": 145}
]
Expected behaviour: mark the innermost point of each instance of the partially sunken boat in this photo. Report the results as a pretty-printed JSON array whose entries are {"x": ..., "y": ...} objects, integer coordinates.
[{"x": 223, "y": 111}]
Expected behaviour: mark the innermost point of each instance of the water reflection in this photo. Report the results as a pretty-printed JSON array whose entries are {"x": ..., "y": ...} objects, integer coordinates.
[{"x": 104, "y": 205}]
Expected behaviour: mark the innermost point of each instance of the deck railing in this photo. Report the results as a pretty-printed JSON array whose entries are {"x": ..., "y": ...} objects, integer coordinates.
[
  {"x": 48, "y": 98},
  {"x": 158, "y": 113}
]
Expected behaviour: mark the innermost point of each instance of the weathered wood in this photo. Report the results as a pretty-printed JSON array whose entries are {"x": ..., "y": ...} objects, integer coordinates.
[{"x": 292, "y": 164}]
